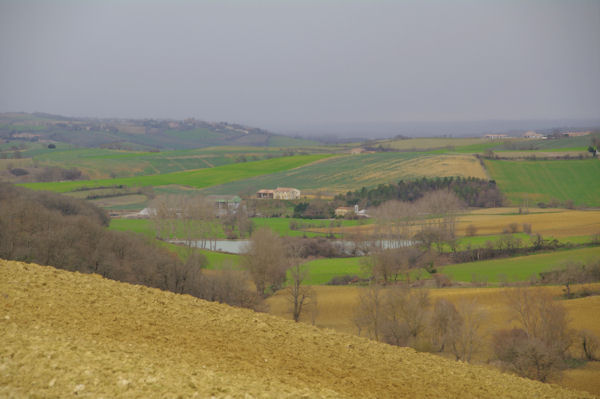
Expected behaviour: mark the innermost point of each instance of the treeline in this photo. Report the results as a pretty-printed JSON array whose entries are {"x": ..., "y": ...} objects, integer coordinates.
[
  {"x": 52, "y": 229},
  {"x": 45, "y": 174},
  {"x": 473, "y": 191},
  {"x": 538, "y": 345}
]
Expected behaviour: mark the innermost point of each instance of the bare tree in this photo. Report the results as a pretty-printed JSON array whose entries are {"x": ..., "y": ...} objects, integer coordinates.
[
  {"x": 405, "y": 315},
  {"x": 190, "y": 218},
  {"x": 438, "y": 210},
  {"x": 525, "y": 356},
  {"x": 369, "y": 312},
  {"x": 590, "y": 344},
  {"x": 298, "y": 295},
  {"x": 538, "y": 349},
  {"x": 445, "y": 320},
  {"x": 395, "y": 221},
  {"x": 265, "y": 259},
  {"x": 541, "y": 317},
  {"x": 387, "y": 265},
  {"x": 466, "y": 336}
]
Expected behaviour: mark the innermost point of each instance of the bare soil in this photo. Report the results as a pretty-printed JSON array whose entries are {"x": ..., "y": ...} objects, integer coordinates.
[{"x": 66, "y": 334}]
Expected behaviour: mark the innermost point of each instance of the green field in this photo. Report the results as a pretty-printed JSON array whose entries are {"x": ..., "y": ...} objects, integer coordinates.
[
  {"x": 279, "y": 225},
  {"x": 518, "y": 268},
  {"x": 282, "y": 225},
  {"x": 140, "y": 226},
  {"x": 351, "y": 172},
  {"x": 101, "y": 163},
  {"x": 536, "y": 181},
  {"x": 194, "y": 178},
  {"x": 433, "y": 143},
  {"x": 321, "y": 271}
]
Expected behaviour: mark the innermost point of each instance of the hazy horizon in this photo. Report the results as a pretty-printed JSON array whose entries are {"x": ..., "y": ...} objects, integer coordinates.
[{"x": 353, "y": 68}]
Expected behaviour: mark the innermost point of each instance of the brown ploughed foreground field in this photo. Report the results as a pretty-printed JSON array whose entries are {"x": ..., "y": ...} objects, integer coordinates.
[
  {"x": 66, "y": 334},
  {"x": 336, "y": 306}
]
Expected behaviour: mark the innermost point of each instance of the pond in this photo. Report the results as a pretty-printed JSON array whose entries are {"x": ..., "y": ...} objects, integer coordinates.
[{"x": 238, "y": 246}]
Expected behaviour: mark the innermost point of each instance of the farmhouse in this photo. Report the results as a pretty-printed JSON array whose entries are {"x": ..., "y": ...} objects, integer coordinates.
[
  {"x": 282, "y": 193},
  {"x": 231, "y": 202},
  {"x": 496, "y": 136},
  {"x": 225, "y": 203},
  {"x": 533, "y": 135},
  {"x": 346, "y": 210}
]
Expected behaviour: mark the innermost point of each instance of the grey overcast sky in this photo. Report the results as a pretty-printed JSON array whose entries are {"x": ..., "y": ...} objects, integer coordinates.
[{"x": 283, "y": 64}]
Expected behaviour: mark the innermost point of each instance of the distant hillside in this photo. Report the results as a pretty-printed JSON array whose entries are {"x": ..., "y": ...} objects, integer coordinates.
[
  {"x": 351, "y": 172},
  {"x": 67, "y": 334},
  {"x": 137, "y": 133}
]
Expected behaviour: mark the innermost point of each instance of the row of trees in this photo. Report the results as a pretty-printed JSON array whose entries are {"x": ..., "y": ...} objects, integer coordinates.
[{"x": 470, "y": 190}]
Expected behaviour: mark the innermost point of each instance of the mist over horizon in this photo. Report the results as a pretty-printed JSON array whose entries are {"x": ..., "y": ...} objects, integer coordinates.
[{"x": 346, "y": 69}]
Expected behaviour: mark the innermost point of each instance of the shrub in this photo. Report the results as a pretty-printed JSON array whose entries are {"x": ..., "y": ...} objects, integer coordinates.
[
  {"x": 441, "y": 280},
  {"x": 471, "y": 230},
  {"x": 590, "y": 344},
  {"x": 513, "y": 228},
  {"x": 18, "y": 172},
  {"x": 343, "y": 280},
  {"x": 526, "y": 356}
]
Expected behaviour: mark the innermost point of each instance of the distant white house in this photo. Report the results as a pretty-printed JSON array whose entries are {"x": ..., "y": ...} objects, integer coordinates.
[
  {"x": 222, "y": 203},
  {"x": 230, "y": 202},
  {"x": 282, "y": 193},
  {"x": 342, "y": 211},
  {"x": 496, "y": 136},
  {"x": 533, "y": 135},
  {"x": 146, "y": 213}
]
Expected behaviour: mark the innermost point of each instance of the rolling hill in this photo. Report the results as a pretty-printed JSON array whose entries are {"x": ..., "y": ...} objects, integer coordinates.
[
  {"x": 137, "y": 133},
  {"x": 66, "y": 334},
  {"x": 351, "y": 172}
]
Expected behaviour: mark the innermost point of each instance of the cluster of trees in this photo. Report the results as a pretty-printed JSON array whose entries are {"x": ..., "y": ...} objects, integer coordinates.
[
  {"x": 315, "y": 209},
  {"x": 402, "y": 316},
  {"x": 472, "y": 191},
  {"x": 538, "y": 347},
  {"x": 46, "y": 174},
  {"x": 196, "y": 220},
  {"x": 71, "y": 234},
  {"x": 269, "y": 259},
  {"x": 430, "y": 220}
]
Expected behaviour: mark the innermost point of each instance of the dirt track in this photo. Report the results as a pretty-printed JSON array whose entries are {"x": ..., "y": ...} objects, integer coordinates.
[{"x": 66, "y": 334}]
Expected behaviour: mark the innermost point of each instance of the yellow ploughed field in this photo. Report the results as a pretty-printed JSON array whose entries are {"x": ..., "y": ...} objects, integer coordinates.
[
  {"x": 336, "y": 306},
  {"x": 548, "y": 222},
  {"x": 65, "y": 334}
]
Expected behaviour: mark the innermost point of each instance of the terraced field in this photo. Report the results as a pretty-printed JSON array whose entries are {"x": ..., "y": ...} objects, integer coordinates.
[
  {"x": 67, "y": 334},
  {"x": 351, "y": 172},
  {"x": 536, "y": 181},
  {"x": 195, "y": 178},
  {"x": 98, "y": 163},
  {"x": 423, "y": 144}
]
